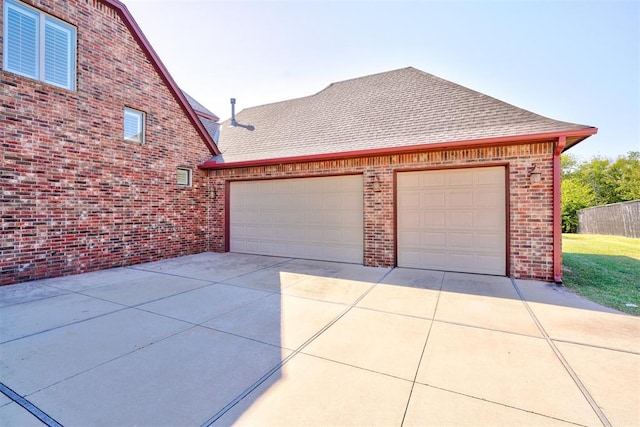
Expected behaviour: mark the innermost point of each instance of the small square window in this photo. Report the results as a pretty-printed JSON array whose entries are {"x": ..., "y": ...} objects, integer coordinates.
[
  {"x": 184, "y": 177},
  {"x": 133, "y": 125}
]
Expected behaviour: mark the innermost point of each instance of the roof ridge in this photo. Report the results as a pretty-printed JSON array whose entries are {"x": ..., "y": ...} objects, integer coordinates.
[
  {"x": 325, "y": 88},
  {"x": 369, "y": 76},
  {"x": 269, "y": 104}
]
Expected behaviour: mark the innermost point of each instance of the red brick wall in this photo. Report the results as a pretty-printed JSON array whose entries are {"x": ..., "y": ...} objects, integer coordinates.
[
  {"x": 530, "y": 205},
  {"x": 74, "y": 196}
]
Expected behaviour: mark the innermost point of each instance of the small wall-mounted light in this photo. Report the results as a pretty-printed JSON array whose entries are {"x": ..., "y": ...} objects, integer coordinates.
[
  {"x": 377, "y": 185},
  {"x": 534, "y": 174}
]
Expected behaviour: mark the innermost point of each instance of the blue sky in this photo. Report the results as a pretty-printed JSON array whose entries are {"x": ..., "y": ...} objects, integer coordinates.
[{"x": 577, "y": 61}]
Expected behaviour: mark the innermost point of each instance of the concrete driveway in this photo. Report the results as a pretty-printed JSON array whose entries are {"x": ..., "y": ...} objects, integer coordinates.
[{"x": 221, "y": 339}]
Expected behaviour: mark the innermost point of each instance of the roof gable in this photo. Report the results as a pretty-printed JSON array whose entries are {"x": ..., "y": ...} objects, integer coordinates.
[
  {"x": 179, "y": 96},
  {"x": 395, "y": 109}
]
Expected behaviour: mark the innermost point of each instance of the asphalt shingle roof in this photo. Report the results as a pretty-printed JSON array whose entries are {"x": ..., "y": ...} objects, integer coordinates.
[
  {"x": 197, "y": 107},
  {"x": 207, "y": 118},
  {"x": 398, "y": 108}
]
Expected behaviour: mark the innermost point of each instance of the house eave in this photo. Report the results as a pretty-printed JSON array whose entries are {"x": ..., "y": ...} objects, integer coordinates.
[{"x": 579, "y": 135}]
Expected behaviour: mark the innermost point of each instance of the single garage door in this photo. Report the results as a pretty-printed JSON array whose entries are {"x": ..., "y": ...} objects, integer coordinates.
[
  {"x": 453, "y": 220},
  {"x": 313, "y": 218}
]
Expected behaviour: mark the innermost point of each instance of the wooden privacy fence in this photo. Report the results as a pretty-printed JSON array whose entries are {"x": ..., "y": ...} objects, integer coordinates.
[{"x": 619, "y": 219}]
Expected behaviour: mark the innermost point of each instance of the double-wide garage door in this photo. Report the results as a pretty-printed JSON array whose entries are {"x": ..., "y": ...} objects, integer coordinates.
[
  {"x": 452, "y": 220},
  {"x": 312, "y": 218}
]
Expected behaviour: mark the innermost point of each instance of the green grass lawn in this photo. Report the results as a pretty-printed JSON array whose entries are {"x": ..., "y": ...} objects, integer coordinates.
[{"x": 604, "y": 269}]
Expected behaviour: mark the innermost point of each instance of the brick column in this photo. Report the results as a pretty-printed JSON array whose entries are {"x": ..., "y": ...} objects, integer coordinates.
[{"x": 379, "y": 248}]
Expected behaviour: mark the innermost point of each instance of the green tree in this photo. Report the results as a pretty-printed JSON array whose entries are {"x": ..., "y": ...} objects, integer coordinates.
[
  {"x": 576, "y": 195},
  {"x": 568, "y": 164},
  {"x": 627, "y": 172},
  {"x": 599, "y": 181},
  {"x": 597, "y": 174}
]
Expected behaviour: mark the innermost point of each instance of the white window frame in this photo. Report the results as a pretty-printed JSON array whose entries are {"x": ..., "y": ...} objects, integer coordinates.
[
  {"x": 44, "y": 24},
  {"x": 139, "y": 118},
  {"x": 189, "y": 173}
]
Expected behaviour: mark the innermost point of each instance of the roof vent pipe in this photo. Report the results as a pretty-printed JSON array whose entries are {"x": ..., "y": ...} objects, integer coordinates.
[{"x": 233, "y": 112}]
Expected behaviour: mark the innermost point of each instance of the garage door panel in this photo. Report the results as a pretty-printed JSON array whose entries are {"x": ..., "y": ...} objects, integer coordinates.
[
  {"x": 351, "y": 201},
  {"x": 239, "y": 231},
  {"x": 317, "y": 218},
  {"x": 349, "y": 234},
  {"x": 258, "y": 217},
  {"x": 353, "y": 186},
  {"x": 460, "y": 260},
  {"x": 459, "y": 220},
  {"x": 294, "y": 217},
  {"x": 409, "y": 181},
  {"x": 410, "y": 238},
  {"x": 435, "y": 260},
  {"x": 313, "y": 202},
  {"x": 267, "y": 248},
  {"x": 461, "y": 177},
  {"x": 487, "y": 220},
  {"x": 433, "y": 199},
  {"x": 488, "y": 199},
  {"x": 432, "y": 220},
  {"x": 330, "y": 236},
  {"x": 437, "y": 179},
  {"x": 423, "y": 220},
  {"x": 238, "y": 247},
  {"x": 411, "y": 218},
  {"x": 332, "y": 201},
  {"x": 409, "y": 200},
  {"x": 459, "y": 199},
  {"x": 489, "y": 263},
  {"x": 269, "y": 203},
  {"x": 460, "y": 241},
  {"x": 488, "y": 241},
  {"x": 433, "y": 240},
  {"x": 418, "y": 240},
  {"x": 263, "y": 234},
  {"x": 332, "y": 219},
  {"x": 486, "y": 176},
  {"x": 467, "y": 234}
]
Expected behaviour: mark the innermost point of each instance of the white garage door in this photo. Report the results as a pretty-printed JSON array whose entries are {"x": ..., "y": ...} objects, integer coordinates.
[
  {"x": 453, "y": 220},
  {"x": 313, "y": 218}
]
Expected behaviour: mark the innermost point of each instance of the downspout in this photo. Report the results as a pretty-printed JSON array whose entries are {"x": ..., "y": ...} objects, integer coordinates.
[
  {"x": 557, "y": 210},
  {"x": 209, "y": 202}
]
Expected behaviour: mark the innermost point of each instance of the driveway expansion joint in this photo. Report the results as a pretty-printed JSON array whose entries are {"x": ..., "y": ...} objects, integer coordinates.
[
  {"x": 497, "y": 403},
  {"x": 424, "y": 349},
  {"x": 28, "y": 406},
  {"x": 603, "y": 418}
]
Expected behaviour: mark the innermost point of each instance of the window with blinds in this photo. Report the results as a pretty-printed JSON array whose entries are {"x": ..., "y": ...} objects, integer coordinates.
[
  {"x": 133, "y": 125},
  {"x": 183, "y": 177},
  {"x": 38, "y": 46}
]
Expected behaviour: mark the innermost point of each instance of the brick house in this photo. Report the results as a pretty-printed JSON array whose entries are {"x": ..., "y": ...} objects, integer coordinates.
[
  {"x": 104, "y": 163},
  {"x": 99, "y": 147},
  {"x": 400, "y": 168}
]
